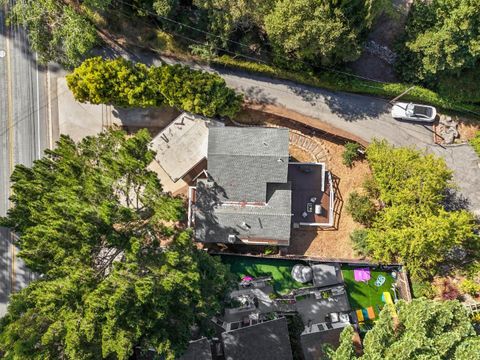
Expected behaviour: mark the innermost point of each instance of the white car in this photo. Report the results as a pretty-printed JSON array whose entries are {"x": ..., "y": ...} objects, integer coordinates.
[{"x": 413, "y": 112}]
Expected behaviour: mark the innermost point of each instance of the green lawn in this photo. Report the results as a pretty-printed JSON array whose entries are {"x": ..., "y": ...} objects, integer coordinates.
[
  {"x": 364, "y": 294},
  {"x": 278, "y": 269}
]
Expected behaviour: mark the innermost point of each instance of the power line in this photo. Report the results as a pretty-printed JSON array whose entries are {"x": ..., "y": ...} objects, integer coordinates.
[{"x": 241, "y": 44}]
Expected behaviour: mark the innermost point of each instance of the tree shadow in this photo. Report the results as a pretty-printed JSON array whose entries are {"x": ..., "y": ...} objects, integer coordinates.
[
  {"x": 255, "y": 94},
  {"x": 455, "y": 201},
  {"x": 356, "y": 107}
]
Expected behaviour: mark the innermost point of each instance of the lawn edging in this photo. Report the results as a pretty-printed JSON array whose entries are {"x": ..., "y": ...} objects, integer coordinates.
[{"x": 338, "y": 82}]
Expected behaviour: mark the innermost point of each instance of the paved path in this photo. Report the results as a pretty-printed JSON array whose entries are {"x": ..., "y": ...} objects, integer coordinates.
[{"x": 23, "y": 136}]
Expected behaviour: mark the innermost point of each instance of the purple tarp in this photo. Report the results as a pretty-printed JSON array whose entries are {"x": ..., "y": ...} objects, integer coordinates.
[{"x": 362, "y": 274}]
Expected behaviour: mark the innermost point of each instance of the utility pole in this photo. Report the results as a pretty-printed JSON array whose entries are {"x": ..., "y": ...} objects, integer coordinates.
[{"x": 402, "y": 94}]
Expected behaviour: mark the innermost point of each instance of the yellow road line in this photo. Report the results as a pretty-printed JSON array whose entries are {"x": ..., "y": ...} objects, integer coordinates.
[{"x": 10, "y": 150}]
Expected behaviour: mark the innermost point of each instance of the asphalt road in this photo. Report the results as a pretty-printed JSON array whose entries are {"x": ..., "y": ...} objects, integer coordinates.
[{"x": 23, "y": 136}]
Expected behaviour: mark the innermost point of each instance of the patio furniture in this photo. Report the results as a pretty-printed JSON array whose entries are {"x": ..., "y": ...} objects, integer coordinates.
[
  {"x": 304, "y": 214},
  {"x": 387, "y": 298},
  {"x": 380, "y": 281},
  {"x": 302, "y": 273},
  {"x": 309, "y": 207},
  {"x": 360, "y": 316},
  {"x": 362, "y": 274},
  {"x": 318, "y": 209},
  {"x": 371, "y": 313},
  {"x": 313, "y": 199},
  {"x": 344, "y": 318}
]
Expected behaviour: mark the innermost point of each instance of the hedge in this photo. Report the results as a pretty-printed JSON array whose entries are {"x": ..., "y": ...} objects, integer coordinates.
[{"x": 338, "y": 82}]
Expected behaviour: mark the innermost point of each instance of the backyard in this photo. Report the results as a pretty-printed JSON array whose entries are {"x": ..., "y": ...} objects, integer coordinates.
[
  {"x": 365, "y": 294},
  {"x": 279, "y": 270}
]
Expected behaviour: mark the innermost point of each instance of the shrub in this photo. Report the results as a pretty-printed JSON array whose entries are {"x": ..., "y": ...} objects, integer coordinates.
[
  {"x": 371, "y": 188},
  {"x": 423, "y": 288},
  {"x": 475, "y": 142},
  {"x": 470, "y": 287},
  {"x": 361, "y": 208},
  {"x": 123, "y": 83},
  {"x": 447, "y": 290},
  {"x": 351, "y": 154},
  {"x": 359, "y": 240}
]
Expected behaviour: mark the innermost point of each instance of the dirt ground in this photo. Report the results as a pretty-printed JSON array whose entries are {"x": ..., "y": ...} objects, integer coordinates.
[
  {"x": 385, "y": 32},
  {"x": 330, "y": 243},
  {"x": 333, "y": 243}
]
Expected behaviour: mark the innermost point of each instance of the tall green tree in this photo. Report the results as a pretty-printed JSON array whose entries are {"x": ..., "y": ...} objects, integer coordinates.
[
  {"x": 56, "y": 30},
  {"x": 413, "y": 226},
  {"x": 118, "y": 273},
  {"x": 421, "y": 329},
  {"x": 313, "y": 31},
  {"x": 117, "y": 82},
  {"x": 442, "y": 36}
]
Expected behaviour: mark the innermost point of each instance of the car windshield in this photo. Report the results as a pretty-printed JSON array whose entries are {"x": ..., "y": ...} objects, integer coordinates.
[
  {"x": 422, "y": 111},
  {"x": 409, "y": 110}
]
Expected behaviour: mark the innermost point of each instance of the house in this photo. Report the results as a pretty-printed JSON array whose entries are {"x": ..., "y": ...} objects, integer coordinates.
[
  {"x": 198, "y": 350},
  {"x": 247, "y": 196},
  {"x": 252, "y": 192},
  {"x": 268, "y": 340},
  {"x": 181, "y": 151}
]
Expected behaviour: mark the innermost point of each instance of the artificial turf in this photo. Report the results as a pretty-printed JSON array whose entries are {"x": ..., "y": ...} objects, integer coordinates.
[
  {"x": 364, "y": 294},
  {"x": 279, "y": 270}
]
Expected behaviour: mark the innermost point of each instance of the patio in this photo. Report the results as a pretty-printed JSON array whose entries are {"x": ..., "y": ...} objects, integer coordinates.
[{"x": 310, "y": 193}]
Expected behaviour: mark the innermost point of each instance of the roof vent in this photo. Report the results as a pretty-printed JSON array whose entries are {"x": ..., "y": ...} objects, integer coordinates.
[
  {"x": 265, "y": 144},
  {"x": 231, "y": 238},
  {"x": 280, "y": 160}
]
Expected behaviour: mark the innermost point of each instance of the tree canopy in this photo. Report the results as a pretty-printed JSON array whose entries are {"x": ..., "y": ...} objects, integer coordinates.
[
  {"x": 442, "y": 36},
  {"x": 413, "y": 225},
  {"x": 55, "y": 30},
  {"x": 313, "y": 31},
  {"x": 117, "y": 270},
  {"x": 421, "y": 329},
  {"x": 123, "y": 83}
]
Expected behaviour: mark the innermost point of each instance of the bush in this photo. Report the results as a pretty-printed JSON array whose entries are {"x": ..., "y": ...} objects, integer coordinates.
[
  {"x": 371, "y": 188},
  {"x": 359, "y": 240},
  {"x": 470, "y": 287},
  {"x": 475, "y": 142},
  {"x": 422, "y": 288},
  {"x": 447, "y": 290},
  {"x": 351, "y": 154},
  {"x": 361, "y": 208},
  {"x": 123, "y": 83}
]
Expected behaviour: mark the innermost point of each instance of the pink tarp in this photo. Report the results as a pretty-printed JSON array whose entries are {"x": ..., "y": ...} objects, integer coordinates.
[{"x": 361, "y": 274}]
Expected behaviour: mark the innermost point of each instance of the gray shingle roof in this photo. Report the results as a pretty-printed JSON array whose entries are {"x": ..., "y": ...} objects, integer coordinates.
[
  {"x": 198, "y": 350},
  {"x": 267, "y": 341},
  {"x": 313, "y": 343},
  {"x": 214, "y": 221},
  {"x": 245, "y": 165},
  {"x": 243, "y": 160}
]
